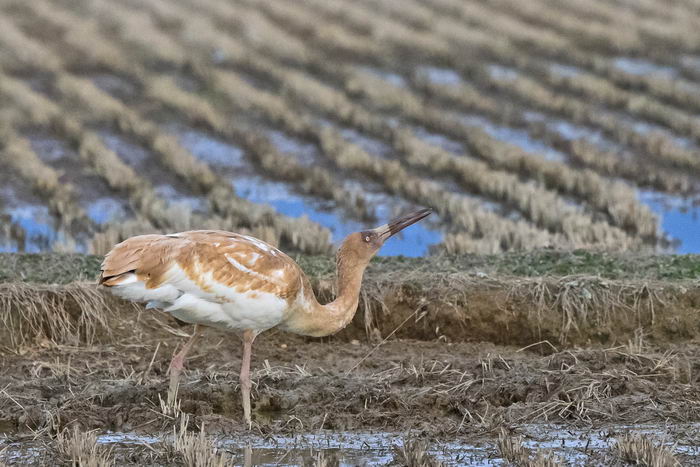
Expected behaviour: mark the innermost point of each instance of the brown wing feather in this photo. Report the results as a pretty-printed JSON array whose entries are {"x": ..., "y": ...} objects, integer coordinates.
[{"x": 230, "y": 259}]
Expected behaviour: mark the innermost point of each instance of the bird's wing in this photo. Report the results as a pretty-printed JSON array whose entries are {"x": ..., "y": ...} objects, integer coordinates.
[{"x": 209, "y": 264}]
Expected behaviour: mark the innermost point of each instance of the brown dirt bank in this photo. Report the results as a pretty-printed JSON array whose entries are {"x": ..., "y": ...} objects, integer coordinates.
[
  {"x": 451, "y": 307},
  {"x": 435, "y": 388},
  {"x": 462, "y": 363}
]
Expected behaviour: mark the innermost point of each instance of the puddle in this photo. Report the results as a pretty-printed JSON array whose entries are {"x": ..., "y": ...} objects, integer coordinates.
[
  {"x": 37, "y": 225},
  {"x": 211, "y": 150},
  {"x": 566, "y": 71},
  {"x": 371, "y": 145},
  {"x": 100, "y": 202},
  {"x": 115, "y": 85},
  {"x": 679, "y": 218},
  {"x": 502, "y": 72},
  {"x": 514, "y": 136},
  {"x": 391, "y": 78},
  {"x": 644, "y": 127},
  {"x": 104, "y": 210},
  {"x": 165, "y": 183},
  {"x": 26, "y": 223},
  {"x": 436, "y": 139},
  {"x": 443, "y": 76},
  {"x": 174, "y": 197},
  {"x": 305, "y": 153},
  {"x": 572, "y": 131},
  {"x": 411, "y": 242},
  {"x": 40, "y": 82},
  {"x": 575, "y": 446},
  {"x": 638, "y": 66},
  {"x": 250, "y": 185}
]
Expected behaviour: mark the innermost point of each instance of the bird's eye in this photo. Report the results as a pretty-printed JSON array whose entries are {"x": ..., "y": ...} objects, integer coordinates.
[{"x": 367, "y": 238}]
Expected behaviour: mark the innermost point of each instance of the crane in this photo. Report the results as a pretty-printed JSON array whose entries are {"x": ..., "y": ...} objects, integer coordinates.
[{"x": 237, "y": 282}]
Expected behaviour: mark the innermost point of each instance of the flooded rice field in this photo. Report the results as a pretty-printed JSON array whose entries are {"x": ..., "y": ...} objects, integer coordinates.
[
  {"x": 570, "y": 446},
  {"x": 565, "y": 358},
  {"x": 570, "y": 134},
  {"x": 456, "y": 403},
  {"x": 539, "y": 133}
]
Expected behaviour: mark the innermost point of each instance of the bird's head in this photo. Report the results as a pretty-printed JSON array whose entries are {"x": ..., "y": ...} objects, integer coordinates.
[{"x": 365, "y": 244}]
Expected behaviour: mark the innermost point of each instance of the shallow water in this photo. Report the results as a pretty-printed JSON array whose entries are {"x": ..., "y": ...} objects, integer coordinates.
[
  {"x": 679, "y": 218},
  {"x": 517, "y": 137},
  {"x": 443, "y": 76},
  {"x": 391, "y": 78},
  {"x": 567, "y": 71},
  {"x": 303, "y": 152},
  {"x": 638, "y": 66},
  {"x": 38, "y": 226},
  {"x": 281, "y": 195},
  {"x": 502, "y": 72},
  {"x": 575, "y": 446}
]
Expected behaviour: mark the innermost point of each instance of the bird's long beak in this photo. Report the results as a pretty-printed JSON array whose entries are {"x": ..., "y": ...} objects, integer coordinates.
[{"x": 396, "y": 225}]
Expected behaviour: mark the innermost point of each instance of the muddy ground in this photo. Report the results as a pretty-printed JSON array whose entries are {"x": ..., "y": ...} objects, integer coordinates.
[
  {"x": 459, "y": 359},
  {"x": 435, "y": 390}
]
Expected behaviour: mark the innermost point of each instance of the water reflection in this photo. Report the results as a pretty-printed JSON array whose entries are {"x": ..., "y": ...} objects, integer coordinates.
[
  {"x": 639, "y": 66},
  {"x": 572, "y": 445},
  {"x": 37, "y": 227},
  {"x": 388, "y": 76},
  {"x": 679, "y": 218},
  {"x": 442, "y": 76},
  {"x": 104, "y": 210},
  {"x": 250, "y": 185},
  {"x": 516, "y": 137}
]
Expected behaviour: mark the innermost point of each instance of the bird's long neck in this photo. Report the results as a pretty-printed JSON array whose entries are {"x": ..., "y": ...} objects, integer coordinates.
[{"x": 314, "y": 319}]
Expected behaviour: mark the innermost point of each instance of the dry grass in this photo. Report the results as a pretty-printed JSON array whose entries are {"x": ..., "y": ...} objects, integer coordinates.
[
  {"x": 196, "y": 450},
  {"x": 318, "y": 53},
  {"x": 613, "y": 199},
  {"x": 414, "y": 453},
  {"x": 563, "y": 311},
  {"x": 313, "y": 181},
  {"x": 33, "y": 314},
  {"x": 237, "y": 213},
  {"x": 642, "y": 450},
  {"x": 61, "y": 198},
  {"x": 513, "y": 451},
  {"x": 81, "y": 449},
  {"x": 448, "y": 27}
]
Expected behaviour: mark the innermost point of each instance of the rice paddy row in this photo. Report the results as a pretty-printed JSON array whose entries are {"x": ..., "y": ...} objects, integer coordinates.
[{"x": 198, "y": 58}]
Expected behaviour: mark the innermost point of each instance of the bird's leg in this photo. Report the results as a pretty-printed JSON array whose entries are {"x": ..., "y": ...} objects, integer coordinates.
[
  {"x": 178, "y": 363},
  {"x": 248, "y": 338}
]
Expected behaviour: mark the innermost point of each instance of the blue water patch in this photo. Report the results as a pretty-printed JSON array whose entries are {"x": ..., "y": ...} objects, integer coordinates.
[
  {"x": 680, "y": 219},
  {"x": 391, "y": 78},
  {"x": 638, "y": 66},
  {"x": 520, "y": 138},
  {"x": 305, "y": 153},
  {"x": 573, "y": 131},
  {"x": 370, "y": 145},
  {"x": 414, "y": 241},
  {"x": 439, "y": 140},
  {"x": 37, "y": 224},
  {"x": 566, "y": 71},
  {"x": 211, "y": 149},
  {"x": 175, "y": 197},
  {"x": 131, "y": 153},
  {"x": 103, "y": 210},
  {"x": 260, "y": 189},
  {"x": 646, "y": 127},
  {"x": 502, "y": 72},
  {"x": 436, "y": 75}
]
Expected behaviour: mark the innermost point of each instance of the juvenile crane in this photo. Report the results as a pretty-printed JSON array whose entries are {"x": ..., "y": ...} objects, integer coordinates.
[{"x": 237, "y": 282}]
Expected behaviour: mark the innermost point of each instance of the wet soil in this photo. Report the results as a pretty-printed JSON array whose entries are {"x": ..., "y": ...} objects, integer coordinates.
[{"x": 448, "y": 392}]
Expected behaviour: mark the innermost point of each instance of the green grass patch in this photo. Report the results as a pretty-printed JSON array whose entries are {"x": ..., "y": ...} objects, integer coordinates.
[{"x": 54, "y": 268}]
